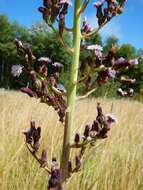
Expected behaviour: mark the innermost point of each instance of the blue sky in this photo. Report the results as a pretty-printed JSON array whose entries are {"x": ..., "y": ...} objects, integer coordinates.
[{"x": 128, "y": 27}]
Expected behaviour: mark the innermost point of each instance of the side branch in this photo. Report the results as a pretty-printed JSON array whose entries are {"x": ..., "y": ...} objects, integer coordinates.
[
  {"x": 70, "y": 50},
  {"x": 83, "y": 7},
  {"x": 37, "y": 159},
  {"x": 95, "y": 31},
  {"x": 87, "y": 94}
]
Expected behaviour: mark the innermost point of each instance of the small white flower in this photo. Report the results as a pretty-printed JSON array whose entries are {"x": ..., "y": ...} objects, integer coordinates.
[
  {"x": 16, "y": 70},
  {"x": 66, "y": 1},
  {"x": 85, "y": 19},
  {"x": 61, "y": 88},
  {"x": 97, "y": 50},
  {"x": 89, "y": 138},
  {"x": 131, "y": 90},
  {"x": 57, "y": 64},
  {"x": 44, "y": 59},
  {"x": 53, "y": 163},
  {"x": 95, "y": 47}
]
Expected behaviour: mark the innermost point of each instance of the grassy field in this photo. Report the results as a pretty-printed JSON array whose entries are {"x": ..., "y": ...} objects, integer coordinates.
[{"x": 115, "y": 163}]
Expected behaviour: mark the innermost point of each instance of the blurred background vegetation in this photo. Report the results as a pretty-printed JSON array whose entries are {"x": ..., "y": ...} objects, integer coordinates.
[{"x": 44, "y": 43}]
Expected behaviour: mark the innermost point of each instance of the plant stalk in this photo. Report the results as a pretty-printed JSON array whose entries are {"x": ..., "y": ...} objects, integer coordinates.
[{"x": 71, "y": 97}]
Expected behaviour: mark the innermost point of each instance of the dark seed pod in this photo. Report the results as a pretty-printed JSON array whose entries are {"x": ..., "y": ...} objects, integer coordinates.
[
  {"x": 36, "y": 146},
  {"x": 86, "y": 131},
  {"x": 103, "y": 133},
  {"x": 69, "y": 166},
  {"x": 43, "y": 158},
  {"x": 77, "y": 162},
  {"x": 77, "y": 138},
  {"x": 95, "y": 126}
]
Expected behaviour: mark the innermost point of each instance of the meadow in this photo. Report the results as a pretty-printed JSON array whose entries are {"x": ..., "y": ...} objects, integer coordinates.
[{"x": 115, "y": 163}]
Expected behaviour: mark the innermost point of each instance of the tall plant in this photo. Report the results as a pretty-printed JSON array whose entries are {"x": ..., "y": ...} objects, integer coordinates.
[{"x": 95, "y": 69}]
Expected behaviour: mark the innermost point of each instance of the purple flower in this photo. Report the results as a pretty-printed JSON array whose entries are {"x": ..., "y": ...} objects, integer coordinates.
[
  {"x": 97, "y": 49},
  {"x": 54, "y": 182},
  {"x": 86, "y": 28},
  {"x": 111, "y": 73},
  {"x": 133, "y": 62},
  {"x": 32, "y": 136},
  {"x": 28, "y": 136},
  {"x": 120, "y": 60}
]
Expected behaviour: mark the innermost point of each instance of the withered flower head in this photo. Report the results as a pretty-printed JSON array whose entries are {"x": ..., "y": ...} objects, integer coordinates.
[
  {"x": 69, "y": 166},
  {"x": 95, "y": 126},
  {"x": 86, "y": 131},
  {"x": 77, "y": 138},
  {"x": 102, "y": 133},
  {"x": 54, "y": 183},
  {"x": 43, "y": 158},
  {"x": 77, "y": 162}
]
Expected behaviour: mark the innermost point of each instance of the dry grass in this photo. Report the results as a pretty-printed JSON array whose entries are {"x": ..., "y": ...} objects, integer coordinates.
[{"x": 113, "y": 164}]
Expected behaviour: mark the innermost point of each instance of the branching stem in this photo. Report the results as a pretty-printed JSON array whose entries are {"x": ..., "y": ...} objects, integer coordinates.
[
  {"x": 95, "y": 31},
  {"x": 71, "y": 96},
  {"x": 37, "y": 159},
  {"x": 83, "y": 7}
]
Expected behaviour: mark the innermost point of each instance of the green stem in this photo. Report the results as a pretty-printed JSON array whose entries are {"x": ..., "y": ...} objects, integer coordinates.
[{"x": 71, "y": 98}]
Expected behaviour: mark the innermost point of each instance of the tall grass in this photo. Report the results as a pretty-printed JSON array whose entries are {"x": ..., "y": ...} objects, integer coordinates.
[{"x": 115, "y": 163}]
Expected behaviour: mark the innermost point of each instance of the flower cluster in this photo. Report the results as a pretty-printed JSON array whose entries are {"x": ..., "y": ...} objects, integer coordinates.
[
  {"x": 32, "y": 137},
  {"x": 99, "y": 68},
  {"x": 43, "y": 74},
  {"x": 55, "y": 11},
  {"x": 97, "y": 130},
  {"x": 54, "y": 181},
  {"x": 106, "y": 9},
  {"x": 126, "y": 89},
  {"x": 86, "y": 28}
]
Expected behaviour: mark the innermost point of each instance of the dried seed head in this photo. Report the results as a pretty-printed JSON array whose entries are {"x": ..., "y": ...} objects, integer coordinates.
[{"x": 77, "y": 138}]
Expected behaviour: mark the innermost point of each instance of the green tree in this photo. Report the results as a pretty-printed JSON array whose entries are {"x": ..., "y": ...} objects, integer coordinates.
[
  {"x": 127, "y": 51},
  {"x": 110, "y": 41}
]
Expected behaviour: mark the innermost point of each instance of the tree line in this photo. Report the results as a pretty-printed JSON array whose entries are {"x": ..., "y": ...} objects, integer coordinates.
[{"x": 45, "y": 44}]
